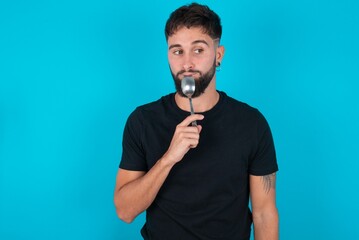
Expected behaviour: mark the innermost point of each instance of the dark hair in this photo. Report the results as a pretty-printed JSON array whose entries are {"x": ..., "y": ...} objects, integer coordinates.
[{"x": 194, "y": 15}]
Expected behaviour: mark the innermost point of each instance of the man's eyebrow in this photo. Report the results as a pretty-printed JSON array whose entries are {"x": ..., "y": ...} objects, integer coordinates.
[
  {"x": 193, "y": 43},
  {"x": 174, "y": 46},
  {"x": 200, "y": 41}
]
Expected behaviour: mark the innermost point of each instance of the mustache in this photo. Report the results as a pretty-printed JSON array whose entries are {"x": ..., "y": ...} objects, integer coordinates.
[{"x": 189, "y": 71}]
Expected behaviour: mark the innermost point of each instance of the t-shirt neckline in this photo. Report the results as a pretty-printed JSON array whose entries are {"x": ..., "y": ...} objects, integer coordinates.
[{"x": 210, "y": 112}]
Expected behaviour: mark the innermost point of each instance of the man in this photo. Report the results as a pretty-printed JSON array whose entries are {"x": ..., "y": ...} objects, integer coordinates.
[{"x": 194, "y": 182}]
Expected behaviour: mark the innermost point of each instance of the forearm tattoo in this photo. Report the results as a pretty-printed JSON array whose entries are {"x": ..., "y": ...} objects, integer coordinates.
[{"x": 268, "y": 182}]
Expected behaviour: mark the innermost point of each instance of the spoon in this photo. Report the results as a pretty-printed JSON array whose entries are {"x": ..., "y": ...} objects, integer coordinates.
[{"x": 188, "y": 87}]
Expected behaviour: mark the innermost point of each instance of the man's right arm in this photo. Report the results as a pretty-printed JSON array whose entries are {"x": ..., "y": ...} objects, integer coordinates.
[{"x": 136, "y": 190}]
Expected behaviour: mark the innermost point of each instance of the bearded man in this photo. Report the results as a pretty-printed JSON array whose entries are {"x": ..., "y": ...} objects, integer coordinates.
[{"x": 195, "y": 181}]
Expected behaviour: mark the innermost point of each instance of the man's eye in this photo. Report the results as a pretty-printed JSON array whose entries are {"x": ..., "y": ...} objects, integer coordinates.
[
  {"x": 177, "y": 52},
  {"x": 199, "y": 50}
]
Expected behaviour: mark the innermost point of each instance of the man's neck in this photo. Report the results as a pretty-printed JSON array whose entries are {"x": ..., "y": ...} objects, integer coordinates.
[{"x": 203, "y": 103}]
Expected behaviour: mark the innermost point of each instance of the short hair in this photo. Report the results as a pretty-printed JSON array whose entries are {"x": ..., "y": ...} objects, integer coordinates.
[{"x": 194, "y": 15}]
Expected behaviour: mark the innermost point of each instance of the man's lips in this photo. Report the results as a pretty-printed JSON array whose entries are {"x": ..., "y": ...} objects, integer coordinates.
[{"x": 188, "y": 74}]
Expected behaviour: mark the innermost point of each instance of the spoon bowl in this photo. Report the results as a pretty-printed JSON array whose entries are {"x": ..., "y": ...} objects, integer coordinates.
[{"x": 188, "y": 86}]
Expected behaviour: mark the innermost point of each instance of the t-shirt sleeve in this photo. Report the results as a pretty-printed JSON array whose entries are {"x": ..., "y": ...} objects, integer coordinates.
[
  {"x": 133, "y": 155},
  {"x": 264, "y": 160}
]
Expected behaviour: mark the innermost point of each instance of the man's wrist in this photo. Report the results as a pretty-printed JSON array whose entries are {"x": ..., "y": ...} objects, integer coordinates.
[{"x": 166, "y": 162}]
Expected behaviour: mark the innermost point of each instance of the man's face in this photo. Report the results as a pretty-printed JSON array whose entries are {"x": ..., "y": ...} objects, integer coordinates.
[{"x": 191, "y": 53}]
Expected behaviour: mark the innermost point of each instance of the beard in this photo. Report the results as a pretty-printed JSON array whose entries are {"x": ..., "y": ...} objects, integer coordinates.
[{"x": 201, "y": 83}]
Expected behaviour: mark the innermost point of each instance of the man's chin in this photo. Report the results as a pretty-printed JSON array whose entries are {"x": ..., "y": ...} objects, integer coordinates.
[
  {"x": 180, "y": 93},
  {"x": 195, "y": 95}
]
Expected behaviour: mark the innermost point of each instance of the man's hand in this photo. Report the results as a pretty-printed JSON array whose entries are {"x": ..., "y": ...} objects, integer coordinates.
[{"x": 184, "y": 138}]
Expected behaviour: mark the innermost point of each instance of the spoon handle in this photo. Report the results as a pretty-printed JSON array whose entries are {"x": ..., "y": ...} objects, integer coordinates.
[{"x": 194, "y": 123}]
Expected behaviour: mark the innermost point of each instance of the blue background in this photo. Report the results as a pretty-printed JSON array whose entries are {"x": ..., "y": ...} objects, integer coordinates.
[{"x": 72, "y": 71}]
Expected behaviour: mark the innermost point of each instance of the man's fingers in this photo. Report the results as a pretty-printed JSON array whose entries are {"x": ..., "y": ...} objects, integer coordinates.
[
  {"x": 190, "y": 119},
  {"x": 189, "y": 135},
  {"x": 188, "y": 129},
  {"x": 199, "y": 127}
]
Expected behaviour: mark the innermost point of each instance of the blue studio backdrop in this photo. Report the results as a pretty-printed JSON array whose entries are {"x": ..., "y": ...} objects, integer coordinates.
[{"x": 72, "y": 71}]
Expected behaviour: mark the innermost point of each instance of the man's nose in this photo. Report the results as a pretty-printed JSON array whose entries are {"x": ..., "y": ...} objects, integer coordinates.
[{"x": 188, "y": 63}]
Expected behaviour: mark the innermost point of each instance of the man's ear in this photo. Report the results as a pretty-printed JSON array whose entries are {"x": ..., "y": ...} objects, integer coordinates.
[{"x": 219, "y": 54}]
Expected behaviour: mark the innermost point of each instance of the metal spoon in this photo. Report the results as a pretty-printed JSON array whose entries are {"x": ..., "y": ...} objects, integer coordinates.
[{"x": 188, "y": 87}]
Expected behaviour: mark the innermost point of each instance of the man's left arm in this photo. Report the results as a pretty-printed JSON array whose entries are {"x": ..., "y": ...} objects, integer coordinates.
[{"x": 265, "y": 213}]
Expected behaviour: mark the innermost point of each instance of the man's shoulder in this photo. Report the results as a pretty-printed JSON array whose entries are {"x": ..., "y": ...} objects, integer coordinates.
[
  {"x": 154, "y": 108},
  {"x": 246, "y": 114},
  {"x": 156, "y": 105},
  {"x": 237, "y": 106}
]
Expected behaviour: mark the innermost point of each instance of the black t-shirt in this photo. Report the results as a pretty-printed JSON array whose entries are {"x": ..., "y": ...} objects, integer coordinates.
[{"x": 206, "y": 195}]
